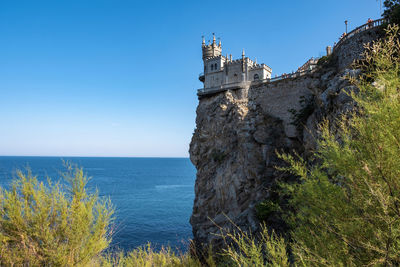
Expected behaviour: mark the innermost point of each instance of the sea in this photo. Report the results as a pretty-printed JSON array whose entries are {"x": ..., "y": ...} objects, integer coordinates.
[{"x": 153, "y": 197}]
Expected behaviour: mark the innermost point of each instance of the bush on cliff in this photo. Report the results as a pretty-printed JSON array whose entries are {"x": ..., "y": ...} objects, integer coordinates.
[
  {"x": 392, "y": 11},
  {"x": 348, "y": 204},
  {"x": 246, "y": 250},
  {"x": 147, "y": 257},
  {"x": 49, "y": 225}
]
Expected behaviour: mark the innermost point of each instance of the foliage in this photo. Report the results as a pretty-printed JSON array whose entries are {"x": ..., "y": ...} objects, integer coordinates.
[
  {"x": 348, "y": 204},
  {"x": 392, "y": 11},
  {"x": 47, "y": 225},
  {"x": 325, "y": 60},
  {"x": 266, "y": 208},
  {"x": 147, "y": 257},
  {"x": 300, "y": 116},
  {"x": 245, "y": 250}
]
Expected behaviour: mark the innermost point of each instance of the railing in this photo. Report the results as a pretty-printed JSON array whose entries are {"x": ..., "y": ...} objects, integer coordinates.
[
  {"x": 290, "y": 75},
  {"x": 238, "y": 85},
  {"x": 224, "y": 87},
  {"x": 206, "y": 91},
  {"x": 366, "y": 26}
]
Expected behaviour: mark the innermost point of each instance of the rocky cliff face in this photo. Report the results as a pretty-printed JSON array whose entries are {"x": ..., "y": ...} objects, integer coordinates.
[{"x": 238, "y": 132}]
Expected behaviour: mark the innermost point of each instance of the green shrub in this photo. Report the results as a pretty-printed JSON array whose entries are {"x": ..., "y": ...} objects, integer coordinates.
[
  {"x": 392, "y": 11},
  {"x": 52, "y": 225},
  {"x": 323, "y": 60},
  {"x": 245, "y": 250},
  {"x": 265, "y": 209},
  {"x": 147, "y": 257},
  {"x": 300, "y": 117},
  {"x": 348, "y": 204}
]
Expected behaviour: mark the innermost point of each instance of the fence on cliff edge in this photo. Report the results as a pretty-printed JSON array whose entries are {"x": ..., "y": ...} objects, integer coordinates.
[{"x": 362, "y": 28}]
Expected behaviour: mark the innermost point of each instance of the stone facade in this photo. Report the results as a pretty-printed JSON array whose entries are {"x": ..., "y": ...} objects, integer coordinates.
[{"x": 222, "y": 71}]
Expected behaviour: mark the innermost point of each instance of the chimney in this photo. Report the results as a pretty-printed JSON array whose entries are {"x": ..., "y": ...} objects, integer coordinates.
[{"x": 328, "y": 50}]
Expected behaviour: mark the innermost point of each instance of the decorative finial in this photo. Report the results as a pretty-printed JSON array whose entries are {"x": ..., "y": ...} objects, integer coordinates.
[
  {"x": 219, "y": 43},
  {"x": 243, "y": 52},
  {"x": 203, "y": 42},
  {"x": 213, "y": 38},
  {"x": 255, "y": 61},
  {"x": 230, "y": 57}
]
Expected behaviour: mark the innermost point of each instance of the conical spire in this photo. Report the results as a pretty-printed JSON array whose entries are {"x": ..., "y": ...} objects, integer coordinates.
[
  {"x": 203, "y": 42},
  {"x": 213, "y": 38},
  {"x": 243, "y": 53}
]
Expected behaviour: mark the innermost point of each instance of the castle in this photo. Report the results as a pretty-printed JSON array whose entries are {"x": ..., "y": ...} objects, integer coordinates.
[{"x": 221, "y": 72}]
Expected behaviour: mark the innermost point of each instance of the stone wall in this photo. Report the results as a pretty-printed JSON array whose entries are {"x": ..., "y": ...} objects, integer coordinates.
[
  {"x": 278, "y": 99},
  {"x": 352, "y": 48}
]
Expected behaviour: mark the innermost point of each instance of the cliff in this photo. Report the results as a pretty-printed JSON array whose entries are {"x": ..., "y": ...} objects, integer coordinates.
[{"x": 239, "y": 131}]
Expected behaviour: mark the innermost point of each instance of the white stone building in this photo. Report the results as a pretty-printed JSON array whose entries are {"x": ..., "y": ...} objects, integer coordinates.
[{"x": 222, "y": 73}]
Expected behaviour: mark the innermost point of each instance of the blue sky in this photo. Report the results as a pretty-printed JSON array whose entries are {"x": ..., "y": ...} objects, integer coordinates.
[{"x": 119, "y": 78}]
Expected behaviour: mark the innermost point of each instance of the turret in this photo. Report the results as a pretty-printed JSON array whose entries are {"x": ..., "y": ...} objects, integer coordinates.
[{"x": 211, "y": 50}]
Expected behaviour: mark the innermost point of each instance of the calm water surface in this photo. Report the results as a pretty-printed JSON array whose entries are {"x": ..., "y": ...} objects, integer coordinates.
[{"x": 153, "y": 196}]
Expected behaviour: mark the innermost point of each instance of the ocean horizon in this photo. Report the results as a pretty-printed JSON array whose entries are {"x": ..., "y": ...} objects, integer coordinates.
[{"x": 153, "y": 196}]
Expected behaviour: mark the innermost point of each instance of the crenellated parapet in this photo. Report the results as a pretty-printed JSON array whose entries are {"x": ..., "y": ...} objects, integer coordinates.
[
  {"x": 211, "y": 50},
  {"x": 222, "y": 72}
]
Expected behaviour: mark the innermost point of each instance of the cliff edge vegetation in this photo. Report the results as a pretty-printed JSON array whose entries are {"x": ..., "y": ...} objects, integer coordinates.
[{"x": 346, "y": 206}]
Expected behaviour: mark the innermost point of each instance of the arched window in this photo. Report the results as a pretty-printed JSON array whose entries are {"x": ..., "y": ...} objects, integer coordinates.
[
  {"x": 256, "y": 77},
  {"x": 212, "y": 66},
  {"x": 215, "y": 66}
]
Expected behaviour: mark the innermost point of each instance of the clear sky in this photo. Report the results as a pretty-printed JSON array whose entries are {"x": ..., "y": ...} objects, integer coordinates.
[{"x": 119, "y": 78}]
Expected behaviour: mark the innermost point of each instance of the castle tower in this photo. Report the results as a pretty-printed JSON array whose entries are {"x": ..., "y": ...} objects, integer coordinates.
[
  {"x": 211, "y": 50},
  {"x": 221, "y": 72}
]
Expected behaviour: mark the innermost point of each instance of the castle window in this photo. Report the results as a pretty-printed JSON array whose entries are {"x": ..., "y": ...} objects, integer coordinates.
[
  {"x": 215, "y": 66},
  {"x": 212, "y": 66},
  {"x": 256, "y": 77}
]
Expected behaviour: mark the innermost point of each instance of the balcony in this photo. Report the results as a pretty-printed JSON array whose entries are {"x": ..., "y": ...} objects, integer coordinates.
[
  {"x": 222, "y": 88},
  {"x": 201, "y": 77}
]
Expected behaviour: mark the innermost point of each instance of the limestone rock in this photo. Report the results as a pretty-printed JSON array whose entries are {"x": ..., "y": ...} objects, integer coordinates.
[{"x": 238, "y": 132}]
